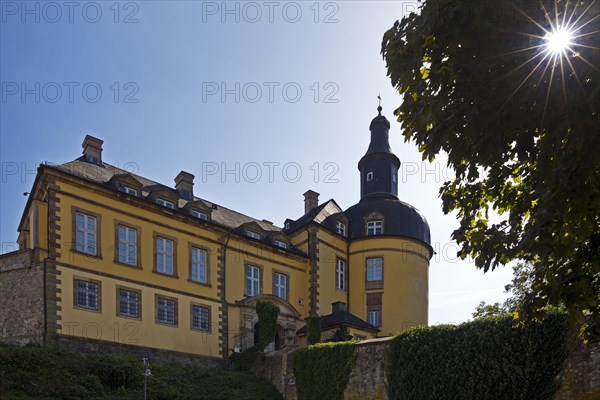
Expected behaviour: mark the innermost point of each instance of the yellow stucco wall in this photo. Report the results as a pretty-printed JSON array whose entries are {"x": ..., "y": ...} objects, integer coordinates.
[
  {"x": 330, "y": 247},
  {"x": 405, "y": 296},
  {"x": 111, "y": 211}
]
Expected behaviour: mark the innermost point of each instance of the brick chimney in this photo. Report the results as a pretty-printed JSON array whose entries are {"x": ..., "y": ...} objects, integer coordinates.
[
  {"x": 311, "y": 200},
  {"x": 184, "y": 183},
  {"x": 92, "y": 149},
  {"x": 338, "y": 306}
]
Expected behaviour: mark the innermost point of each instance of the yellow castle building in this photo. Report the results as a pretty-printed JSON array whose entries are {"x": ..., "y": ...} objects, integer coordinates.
[{"x": 112, "y": 261}]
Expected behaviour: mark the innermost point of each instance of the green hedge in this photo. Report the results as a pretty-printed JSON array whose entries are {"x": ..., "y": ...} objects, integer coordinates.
[
  {"x": 50, "y": 373},
  {"x": 322, "y": 371},
  {"x": 483, "y": 359}
]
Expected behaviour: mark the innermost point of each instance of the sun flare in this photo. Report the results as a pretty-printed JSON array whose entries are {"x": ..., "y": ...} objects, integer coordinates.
[{"x": 558, "y": 41}]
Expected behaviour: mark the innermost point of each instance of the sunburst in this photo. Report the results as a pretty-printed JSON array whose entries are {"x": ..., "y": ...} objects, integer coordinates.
[{"x": 559, "y": 42}]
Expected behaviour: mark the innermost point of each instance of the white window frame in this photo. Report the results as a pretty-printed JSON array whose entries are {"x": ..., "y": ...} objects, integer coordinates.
[
  {"x": 280, "y": 283},
  {"x": 252, "y": 280},
  {"x": 279, "y": 243},
  {"x": 132, "y": 307},
  {"x": 374, "y": 269},
  {"x": 128, "y": 190},
  {"x": 369, "y": 176},
  {"x": 163, "y": 254},
  {"x": 340, "y": 274},
  {"x": 89, "y": 244},
  {"x": 252, "y": 234},
  {"x": 165, "y": 203},
  {"x": 375, "y": 227},
  {"x": 200, "y": 318},
  {"x": 199, "y": 265},
  {"x": 89, "y": 293},
  {"x": 167, "y": 309},
  {"x": 340, "y": 228},
  {"x": 375, "y": 318},
  {"x": 198, "y": 214},
  {"x": 130, "y": 246}
]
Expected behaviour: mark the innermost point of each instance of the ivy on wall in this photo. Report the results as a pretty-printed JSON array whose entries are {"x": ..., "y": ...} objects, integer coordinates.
[
  {"x": 267, "y": 323},
  {"x": 313, "y": 329},
  {"x": 322, "y": 371},
  {"x": 483, "y": 359}
]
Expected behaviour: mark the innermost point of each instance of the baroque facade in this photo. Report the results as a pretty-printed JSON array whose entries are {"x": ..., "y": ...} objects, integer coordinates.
[{"x": 116, "y": 261}]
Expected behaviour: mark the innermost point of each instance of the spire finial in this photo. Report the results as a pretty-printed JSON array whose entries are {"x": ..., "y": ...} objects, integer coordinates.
[{"x": 379, "y": 108}]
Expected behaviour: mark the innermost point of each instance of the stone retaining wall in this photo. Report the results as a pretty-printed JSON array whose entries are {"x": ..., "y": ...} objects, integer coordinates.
[
  {"x": 580, "y": 380},
  {"x": 21, "y": 298}
]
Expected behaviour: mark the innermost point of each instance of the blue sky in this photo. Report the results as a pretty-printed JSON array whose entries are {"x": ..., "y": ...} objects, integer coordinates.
[{"x": 261, "y": 101}]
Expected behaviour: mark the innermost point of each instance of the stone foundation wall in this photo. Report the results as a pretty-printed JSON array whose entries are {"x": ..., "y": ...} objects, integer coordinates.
[
  {"x": 83, "y": 345},
  {"x": 368, "y": 378},
  {"x": 580, "y": 380},
  {"x": 21, "y": 298}
]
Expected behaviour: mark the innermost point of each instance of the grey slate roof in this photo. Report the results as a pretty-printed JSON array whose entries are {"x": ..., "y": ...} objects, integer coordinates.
[
  {"x": 102, "y": 174},
  {"x": 318, "y": 214}
]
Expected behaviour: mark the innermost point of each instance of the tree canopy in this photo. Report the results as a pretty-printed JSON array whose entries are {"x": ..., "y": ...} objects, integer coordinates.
[{"x": 518, "y": 121}]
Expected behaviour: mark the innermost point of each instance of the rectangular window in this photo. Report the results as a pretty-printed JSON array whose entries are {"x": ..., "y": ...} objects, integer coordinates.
[
  {"x": 340, "y": 274},
  {"x": 374, "y": 228},
  {"x": 281, "y": 244},
  {"x": 129, "y": 303},
  {"x": 280, "y": 285},
  {"x": 252, "y": 234},
  {"x": 340, "y": 228},
  {"x": 86, "y": 295},
  {"x": 375, "y": 318},
  {"x": 165, "y": 203},
  {"x": 85, "y": 234},
  {"x": 166, "y": 311},
  {"x": 198, "y": 268},
  {"x": 252, "y": 280},
  {"x": 200, "y": 318},
  {"x": 200, "y": 215},
  {"x": 374, "y": 269},
  {"x": 369, "y": 176},
  {"x": 128, "y": 190},
  {"x": 127, "y": 245},
  {"x": 164, "y": 255}
]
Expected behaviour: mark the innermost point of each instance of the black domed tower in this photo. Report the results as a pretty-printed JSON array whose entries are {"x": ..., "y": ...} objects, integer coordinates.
[
  {"x": 379, "y": 166},
  {"x": 379, "y": 191},
  {"x": 389, "y": 244}
]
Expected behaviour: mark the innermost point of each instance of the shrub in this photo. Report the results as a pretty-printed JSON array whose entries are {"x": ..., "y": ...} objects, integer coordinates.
[
  {"x": 322, "y": 371},
  {"x": 483, "y": 359}
]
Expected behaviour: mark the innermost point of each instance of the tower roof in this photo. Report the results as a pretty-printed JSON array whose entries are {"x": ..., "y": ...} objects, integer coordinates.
[{"x": 380, "y": 143}]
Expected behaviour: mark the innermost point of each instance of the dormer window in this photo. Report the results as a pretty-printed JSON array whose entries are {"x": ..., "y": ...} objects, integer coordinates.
[
  {"x": 128, "y": 190},
  {"x": 252, "y": 234},
  {"x": 340, "y": 228},
  {"x": 369, "y": 176},
  {"x": 164, "y": 203},
  {"x": 374, "y": 228},
  {"x": 287, "y": 225},
  {"x": 279, "y": 243},
  {"x": 198, "y": 214}
]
